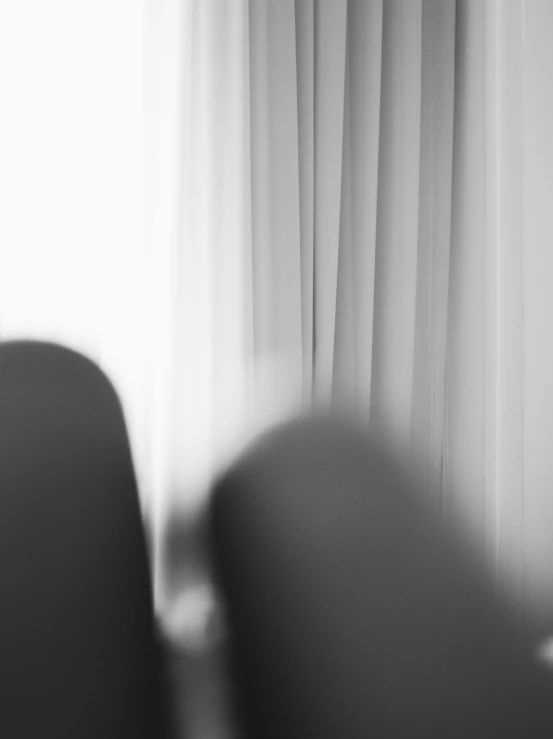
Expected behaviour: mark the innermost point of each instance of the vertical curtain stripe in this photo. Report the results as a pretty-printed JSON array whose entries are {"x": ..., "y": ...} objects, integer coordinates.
[
  {"x": 305, "y": 63},
  {"x": 397, "y": 221},
  {"x": 437, "y": 96},
  {"x": 505, "y": 360},
  {"x": 330, "y": 58},
  {"x": 365, "y": 64}
]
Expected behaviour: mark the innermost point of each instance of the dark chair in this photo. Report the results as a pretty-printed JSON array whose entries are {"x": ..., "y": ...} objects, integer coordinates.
[
  {"x": 79, "y": 652},
  {"x": 352, "y": 613}
]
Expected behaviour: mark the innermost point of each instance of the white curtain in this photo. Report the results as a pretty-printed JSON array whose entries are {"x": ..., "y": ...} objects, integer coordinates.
[
  {"x": 387, "y": 242},
  {"x": 241, "y": 208}
]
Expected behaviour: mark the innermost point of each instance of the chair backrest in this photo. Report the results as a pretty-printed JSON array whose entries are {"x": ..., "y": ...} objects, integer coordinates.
[
  {"x": 352, "y": 614},
  {"x": 78, "y": 652}
]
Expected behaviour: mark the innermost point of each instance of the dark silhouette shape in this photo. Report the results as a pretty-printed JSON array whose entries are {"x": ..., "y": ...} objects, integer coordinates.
[
  {"x": 79, "y": 655},
  {"x": 354, "y": 615}
]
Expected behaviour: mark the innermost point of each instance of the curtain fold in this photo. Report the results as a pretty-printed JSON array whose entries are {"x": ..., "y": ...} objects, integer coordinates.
[
  {"x": 305, "y": 85},
  {"x": 329, "y": 79},
  {"x": 535, "y": 55},
  {"x": 276, "y": 257},
  {"x": 467, "y": 331},
  {"x": 383, "y": 122},
  {"x": 437, "y": 90},
  {"x": 397, "y": 240},
  {"x": 505, "y": 464},
  {"x": 355, "y": 312}
]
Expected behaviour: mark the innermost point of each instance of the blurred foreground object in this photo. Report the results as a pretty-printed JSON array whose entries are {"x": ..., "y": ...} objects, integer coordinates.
[
  {"x": 79, "y": 652},
  {"x": 352, "y": 613}
]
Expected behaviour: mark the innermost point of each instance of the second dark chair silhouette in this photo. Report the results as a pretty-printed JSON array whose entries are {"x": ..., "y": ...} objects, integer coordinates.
[{"x": 353, "y": 615}]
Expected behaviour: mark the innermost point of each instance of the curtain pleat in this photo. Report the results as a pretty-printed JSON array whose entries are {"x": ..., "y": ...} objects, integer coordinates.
[
  {"x": 330, "y": 62},
  {"x": 344, "y": 367},
  {"x": 232, "y": 328},
  {"x": 372, "y": 150},
  {"x": 365, "y": 20},
  {"x": 305, "y": 68},
  {"x": 505, "y": 365},
  {"x": 535, "y": 19},
  {"x": 437, "y": 91},
  {"x": 199, "y": 201},
  {"x": 260, "y": 180},
  {"x": 397, "y": 222},
  {"x": 464, "y": 491},
  {"x": 275, "y": 193}
]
